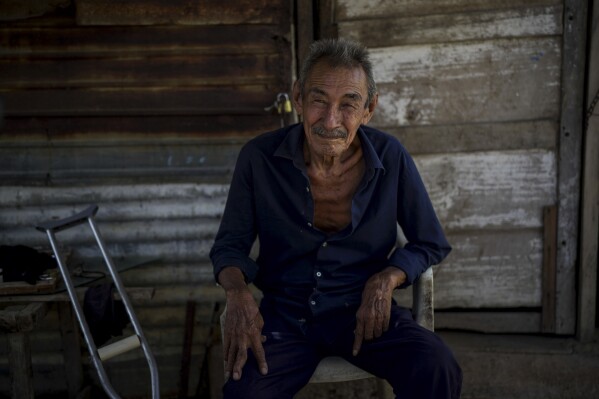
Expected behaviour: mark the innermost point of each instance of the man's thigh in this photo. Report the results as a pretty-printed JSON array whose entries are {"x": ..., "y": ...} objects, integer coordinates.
[
  {"x": 291, "y": 362},
  {"x": 409, "y": 357}
]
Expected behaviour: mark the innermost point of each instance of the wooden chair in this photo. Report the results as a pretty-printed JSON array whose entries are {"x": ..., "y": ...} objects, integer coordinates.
[{"x": 337, "y": 369}]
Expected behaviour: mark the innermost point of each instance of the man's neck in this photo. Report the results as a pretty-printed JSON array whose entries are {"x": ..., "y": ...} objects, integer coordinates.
[{"x": 327, "y": 165}]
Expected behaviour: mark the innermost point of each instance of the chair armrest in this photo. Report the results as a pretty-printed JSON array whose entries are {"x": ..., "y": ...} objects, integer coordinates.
[{"x": 422, "y": 304}]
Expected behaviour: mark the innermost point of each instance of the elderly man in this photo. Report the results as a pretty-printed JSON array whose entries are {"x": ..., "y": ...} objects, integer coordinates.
[{"x": 324, "y": 198}]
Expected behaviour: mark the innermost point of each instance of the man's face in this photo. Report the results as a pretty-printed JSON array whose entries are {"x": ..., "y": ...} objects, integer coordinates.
[{"x": 333, "y": 106}]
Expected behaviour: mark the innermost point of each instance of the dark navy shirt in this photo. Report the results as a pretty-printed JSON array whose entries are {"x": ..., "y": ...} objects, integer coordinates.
[{"x": 301, "y": 270}]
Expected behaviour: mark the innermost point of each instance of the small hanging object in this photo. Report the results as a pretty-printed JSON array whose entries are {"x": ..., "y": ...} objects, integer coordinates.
[{"x": 282, "y": 106}]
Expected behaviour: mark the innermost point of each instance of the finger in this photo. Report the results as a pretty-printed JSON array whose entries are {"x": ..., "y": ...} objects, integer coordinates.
[
  {"x": 387, "y": 316},
  {"x": 240, "y": 360},
  {"x": 231, "y": 353},
  {"x": 259, "y": 354},
  {"x": 379, "y": 318},
  {"x": 369, "y": 326},
  {"x": 358, "y": 336}
]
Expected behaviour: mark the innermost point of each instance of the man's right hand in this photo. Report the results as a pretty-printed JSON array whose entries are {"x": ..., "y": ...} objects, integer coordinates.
[{"x": 243, "y": 324}]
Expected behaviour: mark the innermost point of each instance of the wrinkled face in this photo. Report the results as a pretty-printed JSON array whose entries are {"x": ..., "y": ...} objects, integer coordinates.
[{"x": 333, "y": 106}]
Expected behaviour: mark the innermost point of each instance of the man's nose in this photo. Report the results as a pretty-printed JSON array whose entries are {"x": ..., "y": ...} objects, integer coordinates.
[{"x": 332, "y": 118}]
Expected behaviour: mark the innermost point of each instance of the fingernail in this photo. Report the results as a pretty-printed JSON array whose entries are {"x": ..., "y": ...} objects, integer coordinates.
[
  {"x": 227, "y": 375},
  {"x": 264, "y": 370},
  {"x": 355, "y": 352},
  {"x": 236, "y": 376}
]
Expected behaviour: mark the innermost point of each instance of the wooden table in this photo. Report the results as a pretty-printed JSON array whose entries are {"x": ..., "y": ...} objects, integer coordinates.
[
  {"x": 23, "y": 306},
  {"x": 21, "y": 314},
  {"x": 17, "y": 321}
]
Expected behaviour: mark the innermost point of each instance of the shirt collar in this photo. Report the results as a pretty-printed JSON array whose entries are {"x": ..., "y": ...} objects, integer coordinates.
[{"x": 292, "y": 147}]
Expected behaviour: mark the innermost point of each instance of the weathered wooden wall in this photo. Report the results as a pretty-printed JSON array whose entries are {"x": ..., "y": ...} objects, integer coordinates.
[
  {"x": 472, "y": 88},
  {"x": 141, "y": 108}
]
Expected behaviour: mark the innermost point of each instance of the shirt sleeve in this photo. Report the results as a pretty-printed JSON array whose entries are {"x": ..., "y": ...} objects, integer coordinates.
[
  {"x": 426, "y": 244},
  {"x": 237, "y": 231}
]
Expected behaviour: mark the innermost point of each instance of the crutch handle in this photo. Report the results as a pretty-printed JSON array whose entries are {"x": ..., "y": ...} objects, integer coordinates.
[
  {"x": 118, "y": 347},
  {"x": 61, "y": 224}
]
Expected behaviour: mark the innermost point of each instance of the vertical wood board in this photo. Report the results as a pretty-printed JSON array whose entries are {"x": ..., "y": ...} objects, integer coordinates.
[{"x": 570, "y": 154}]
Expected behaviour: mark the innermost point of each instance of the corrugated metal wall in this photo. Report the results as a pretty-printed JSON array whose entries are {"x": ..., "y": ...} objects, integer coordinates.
[
  {"x": 139, "y": 107},
  {"x": 473, "y": 91}
]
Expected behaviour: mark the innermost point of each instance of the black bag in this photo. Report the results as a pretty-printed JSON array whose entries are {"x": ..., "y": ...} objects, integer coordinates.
[{"x": 22, "y": 263}]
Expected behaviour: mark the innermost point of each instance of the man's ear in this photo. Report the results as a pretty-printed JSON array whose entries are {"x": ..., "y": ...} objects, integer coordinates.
[
  {"x": 369, "y": 111},
  {"x": 297, "y": 97}
]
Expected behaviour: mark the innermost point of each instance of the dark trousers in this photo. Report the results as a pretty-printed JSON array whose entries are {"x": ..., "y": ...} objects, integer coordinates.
[{"x": 415, "y": 361}]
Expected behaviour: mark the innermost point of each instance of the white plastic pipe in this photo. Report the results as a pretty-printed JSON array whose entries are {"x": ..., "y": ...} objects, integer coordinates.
[{"x": 118, "y": 347}]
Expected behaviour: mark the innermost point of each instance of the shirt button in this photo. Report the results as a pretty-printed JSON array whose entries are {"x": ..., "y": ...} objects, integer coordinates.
[
  {"x": 307, "y": 189},
  {"x": 325, "y": 244},
  {"x": 309, "y": 224},
  {"x": 318, "y": 274},
  {"x": 313, "y": 302}
]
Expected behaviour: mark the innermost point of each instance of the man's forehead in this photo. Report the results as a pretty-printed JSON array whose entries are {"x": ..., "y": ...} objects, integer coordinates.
[{"x": 324, "y": 77}]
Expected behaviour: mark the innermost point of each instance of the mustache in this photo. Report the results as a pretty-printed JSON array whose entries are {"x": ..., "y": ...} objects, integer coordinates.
[{"x": 329, "y": 134}]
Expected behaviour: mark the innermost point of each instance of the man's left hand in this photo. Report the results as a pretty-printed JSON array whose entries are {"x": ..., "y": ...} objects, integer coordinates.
[{"x": 372, "y": 318}]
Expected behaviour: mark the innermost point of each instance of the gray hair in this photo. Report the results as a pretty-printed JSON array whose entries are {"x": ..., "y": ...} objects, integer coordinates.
[{"x": 339, "y": 53}]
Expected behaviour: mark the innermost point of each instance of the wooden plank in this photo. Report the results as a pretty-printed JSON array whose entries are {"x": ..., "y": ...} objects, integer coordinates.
[
  {"x": 24, "y": 317},
  {"x": 178, "y": 70},
  {"x": 570, "y": 153},
  {"x": 589, "y": 233},
  {"x": 444, "y": 28},
  {"x": 139, "y": 101},
  {"x": 327, "y": 27},
  {"x": 21, "y": 373},
  {"x": 499, "y": 269},
  {"x": 355, "y": 9},
  {"x": 549, "y": 268},
  {"x": 492, "y": 190},
  {"x": 446, "y": 139},
  {"x": 490, "y": 81},
  {"x": 490, "y": 322},
  {"x": 185, "y": 12},
  {"x": 136, "y": 294},
  {"x": 56, "y": 42},
  {"x": 305, "y": 28},
  {"x": 40, "y": 287},
  {"x": 71, "y": 344}
]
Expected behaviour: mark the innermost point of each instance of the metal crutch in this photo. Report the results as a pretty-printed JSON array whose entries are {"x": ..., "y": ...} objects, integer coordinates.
[{"x": 115, "y": 348}]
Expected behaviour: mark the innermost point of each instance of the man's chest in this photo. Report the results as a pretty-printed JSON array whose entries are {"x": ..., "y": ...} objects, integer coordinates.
[{"x": 332, "y": 196}]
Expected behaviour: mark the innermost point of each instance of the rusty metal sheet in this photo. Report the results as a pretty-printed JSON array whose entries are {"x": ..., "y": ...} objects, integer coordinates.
[
  {"x": 39, "y": 130},
  {"x": 57, "y": 41},
  {"x": 135, "y": 71},
  {"x": 194, "y": 12},
  {"x": 139, "y": 101}
]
